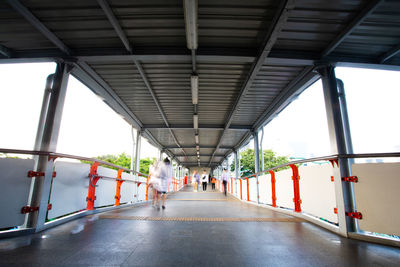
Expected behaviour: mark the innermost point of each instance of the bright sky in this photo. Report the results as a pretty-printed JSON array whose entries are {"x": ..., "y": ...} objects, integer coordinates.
[{"x": 90, "y": 128}]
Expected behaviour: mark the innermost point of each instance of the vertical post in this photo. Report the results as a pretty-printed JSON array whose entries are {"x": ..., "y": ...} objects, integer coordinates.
[
  {"x": 344, "y": 191},
  {"x": 147, "y": 188},
  {"x": 261, "y": 150},
  {"x": 137, "y": 161},
  {"x": 257, "y": 163},
  {"x": 133, "y": 155},
  {"x": 236, "y": 169},
  {"x": 296, "y": 188},
  {"x": 40, "y": 193},
  {"x": 119, "y": 182},
  {"x": 248, "y": 189},
  {"x": 273, "y": 188},
  {"x": 93, "y": 179},
  {"x": 241, "y": 196}
]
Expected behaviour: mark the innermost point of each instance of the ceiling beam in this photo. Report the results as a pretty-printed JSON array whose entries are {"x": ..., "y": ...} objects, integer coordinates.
[
  {"x": 389, "y": 54},
  {"x": 276, "y": 57},
  {"x": 201, "y": 155},
  {"x": 5, "y": 51},
  {"x": 156, "y": 101},
  {"x": 114, "y": 22},
  {"x": 201, "y": 127},
  {"x": 370, "y": 7},
  {"x": 22, "y": 10},
  {"x": 278, "y": 21},
  {"x": 194, "y": 147},
  {"x": 303, "y": 80},
  {"x": 124, "y": 39}
]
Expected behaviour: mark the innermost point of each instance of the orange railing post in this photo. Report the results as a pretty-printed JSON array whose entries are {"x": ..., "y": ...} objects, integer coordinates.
[
  {"x": 273, "y": 188},
  {"x": 248, "y": 189},
  {"x": 241, "y": 198},
  {"x": 296, "y": 188},
  {"x": 93, "y": 178},
  {"x": 231, "y": 185},
  {"x": 118, "y": 190},
  {"x": 147, "y": 188}
]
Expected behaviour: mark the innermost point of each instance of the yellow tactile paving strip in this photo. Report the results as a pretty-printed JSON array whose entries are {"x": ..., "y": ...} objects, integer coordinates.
[{"x": 198, "y": 219}]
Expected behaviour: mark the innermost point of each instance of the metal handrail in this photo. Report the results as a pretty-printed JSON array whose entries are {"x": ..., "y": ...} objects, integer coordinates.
[
  {"x": 331, "y": 157},
  {"x": 60, "y": 155}
]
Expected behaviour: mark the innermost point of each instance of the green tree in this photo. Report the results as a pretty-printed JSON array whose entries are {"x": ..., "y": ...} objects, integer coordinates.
[
  {"x": 247, "y": 161},
  {"x": 124, "y": 161}
]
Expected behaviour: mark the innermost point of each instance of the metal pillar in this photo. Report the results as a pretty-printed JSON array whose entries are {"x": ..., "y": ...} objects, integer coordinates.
[
  {"x": 257, "y": 163},
  {"x": 133, "y": 149},
  {"x": 237, "y": 169},
  {"x": 337, "y": 133},
  {"x": 137, "y": 160},
  {"x": 261, "y": 150},
  {"x": 41, "y": 188}
]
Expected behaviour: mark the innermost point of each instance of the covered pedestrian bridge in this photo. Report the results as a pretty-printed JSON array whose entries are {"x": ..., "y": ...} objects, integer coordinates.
[{"x": 199, "y": 80}]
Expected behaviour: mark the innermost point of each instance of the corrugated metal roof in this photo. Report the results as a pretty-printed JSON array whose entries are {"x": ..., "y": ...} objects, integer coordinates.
[{"x": 231, "y": 34}]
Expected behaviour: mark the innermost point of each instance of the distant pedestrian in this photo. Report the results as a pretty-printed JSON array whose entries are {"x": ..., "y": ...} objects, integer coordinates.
[
  {"x": 196, "y": 181},
  {"x": 204, "y": 180},
  {"x": 225, "y": 178},
  {"x": 213, "y": 183},
  {"x": 165, "y": 176}
]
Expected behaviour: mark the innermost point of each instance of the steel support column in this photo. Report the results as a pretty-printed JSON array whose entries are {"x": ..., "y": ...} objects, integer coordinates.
[
  {"x": 237, "y": 169},
  {"x": 261, "y": 150},
  {"x": 257, "y": 162},
  {"x": 41, "y": 188},
  {"x": 337, "y": 133},
  {"x": 137, "y": 159}
]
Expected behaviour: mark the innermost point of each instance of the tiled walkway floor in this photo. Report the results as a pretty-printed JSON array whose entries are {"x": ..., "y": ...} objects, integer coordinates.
[{"x": 187, "y": 233}]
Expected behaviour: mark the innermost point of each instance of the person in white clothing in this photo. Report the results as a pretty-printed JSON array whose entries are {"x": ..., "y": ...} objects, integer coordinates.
[
  {"x": 225, "y": 178},
  {"x": 204, "y": 180},
  {"x": 154, "y": 182},
  {"x": 165, "y": 175}
]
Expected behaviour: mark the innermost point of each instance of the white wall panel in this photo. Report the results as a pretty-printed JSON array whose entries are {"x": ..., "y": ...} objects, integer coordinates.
[
  {"x": 284, "y": 189},
  {"x": 142, "y": 189},
  {"x": 317, "y": 191},
  {"x": 14, "y": 190},
  {"x": 127, "y": 188},
  {"x": 69, "y": 189},
  {"x": 377, "y": 196},
  {"x": 253, "y": 189},
  {"x": 106, "y": 189},
  {"x": 265, "y": 189}
]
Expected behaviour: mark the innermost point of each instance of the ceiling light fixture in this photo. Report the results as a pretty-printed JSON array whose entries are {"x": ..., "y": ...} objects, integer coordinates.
[
  {"x": 194, "y": 83},
  {"x": 196, "y": 122},
  {"x": 196, "y": 138},
  {"x": 190, "y": 12}
]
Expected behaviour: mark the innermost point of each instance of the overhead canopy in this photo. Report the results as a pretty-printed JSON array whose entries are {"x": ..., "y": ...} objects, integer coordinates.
[{"x": 251, "y": 58}]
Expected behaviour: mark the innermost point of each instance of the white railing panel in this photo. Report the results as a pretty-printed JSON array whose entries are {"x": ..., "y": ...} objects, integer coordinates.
[
  {"x": 317, "y": 191},
  {"x": 142, "y": 189},
  {"x": 14, "y": 190},
  {"x": 284, "y": 189},
  {"x": 253, "y": 189},
  {"x": 244, "y": 189},
  {"x": 106, "y": 188},
  {"x": 377, "y": 196},
  {"x": 127, "y": 188},
  {"x": 265, "y": 189},
  {"x": 69, "y": 189}
]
